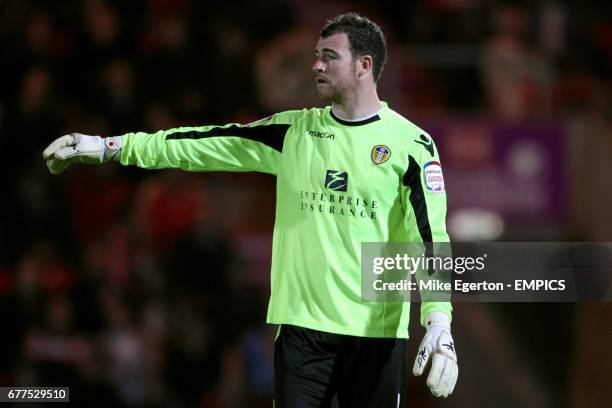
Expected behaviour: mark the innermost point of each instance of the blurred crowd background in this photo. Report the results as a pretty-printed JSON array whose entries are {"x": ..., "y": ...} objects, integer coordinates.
[{"x": 149, "y": 289}]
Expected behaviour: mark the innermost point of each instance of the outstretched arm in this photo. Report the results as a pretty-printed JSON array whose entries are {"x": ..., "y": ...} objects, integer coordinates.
[{"x": 233, "y": 147}]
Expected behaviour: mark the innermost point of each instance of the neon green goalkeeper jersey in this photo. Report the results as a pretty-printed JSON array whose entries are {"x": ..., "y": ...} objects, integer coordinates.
[{"x": 339, "y": 183}]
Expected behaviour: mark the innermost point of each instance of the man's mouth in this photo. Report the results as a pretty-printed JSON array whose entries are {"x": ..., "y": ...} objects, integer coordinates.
[{"x": 321, "y": 81}]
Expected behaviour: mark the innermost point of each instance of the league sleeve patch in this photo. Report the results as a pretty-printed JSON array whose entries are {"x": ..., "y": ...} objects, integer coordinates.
[
  {"x": 261, "y": 120},
  {"x": 434, "y": 180}
]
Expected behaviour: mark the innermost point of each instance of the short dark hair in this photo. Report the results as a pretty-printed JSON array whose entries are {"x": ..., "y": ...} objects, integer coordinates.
[{"x": 365, "y": 38}]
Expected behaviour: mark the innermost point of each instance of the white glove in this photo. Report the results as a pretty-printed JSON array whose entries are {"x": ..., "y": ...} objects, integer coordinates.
[
  {"x": 75, "y": 147},
  {"x": 439, "y": 343}
]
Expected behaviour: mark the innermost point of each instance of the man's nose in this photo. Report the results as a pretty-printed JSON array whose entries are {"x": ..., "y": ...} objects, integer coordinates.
[{"x": 318, "y": 66}]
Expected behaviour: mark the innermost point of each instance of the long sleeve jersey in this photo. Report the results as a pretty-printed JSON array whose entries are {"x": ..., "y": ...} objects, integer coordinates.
[{"x": 339, "y": 183}]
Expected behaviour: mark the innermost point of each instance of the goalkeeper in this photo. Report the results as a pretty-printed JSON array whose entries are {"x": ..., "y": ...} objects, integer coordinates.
[{"x": 352, "y": 172}]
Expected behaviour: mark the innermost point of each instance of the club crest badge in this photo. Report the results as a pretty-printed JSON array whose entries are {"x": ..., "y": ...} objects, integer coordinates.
[{"x": 380, "y": 154}]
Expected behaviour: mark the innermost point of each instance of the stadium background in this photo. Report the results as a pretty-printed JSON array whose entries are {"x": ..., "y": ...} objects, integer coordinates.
[{"x": 146, "y": 289}]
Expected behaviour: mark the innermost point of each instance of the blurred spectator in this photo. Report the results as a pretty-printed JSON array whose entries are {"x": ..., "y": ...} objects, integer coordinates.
[
  {"x": 516, "y": 77},
  {"x": 284, "y": 77}
]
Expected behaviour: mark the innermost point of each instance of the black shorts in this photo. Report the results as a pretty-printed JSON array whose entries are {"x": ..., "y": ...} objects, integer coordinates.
[{"x": 311, "y": 367}]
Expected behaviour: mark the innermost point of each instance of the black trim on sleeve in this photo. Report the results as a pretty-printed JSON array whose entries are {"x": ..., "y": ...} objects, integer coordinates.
[
  {"x": 412, "y": 179},
  {"x": 270, "y": 135},
  {"x": 354, "y": 123}
]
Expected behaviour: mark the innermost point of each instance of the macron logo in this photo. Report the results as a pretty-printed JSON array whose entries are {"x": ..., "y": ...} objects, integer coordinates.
[{"x": 321, "y": 135}]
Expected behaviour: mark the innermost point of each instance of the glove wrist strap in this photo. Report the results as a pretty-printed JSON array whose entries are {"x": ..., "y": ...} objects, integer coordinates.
[
  {"x": 112, "y": 148},
  {"x": 437, "y": 319}
]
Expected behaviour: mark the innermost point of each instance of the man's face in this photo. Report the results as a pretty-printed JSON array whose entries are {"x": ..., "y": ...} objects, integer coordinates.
[{"x": 334, "y": 68}]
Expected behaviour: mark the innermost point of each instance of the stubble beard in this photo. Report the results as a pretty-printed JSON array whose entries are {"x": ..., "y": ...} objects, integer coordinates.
[
  {"x": 337, "y": 93},
  {"x": 331, "y": 97}
]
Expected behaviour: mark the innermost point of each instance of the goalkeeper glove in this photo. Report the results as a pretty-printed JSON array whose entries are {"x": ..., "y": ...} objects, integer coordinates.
[
  {"x": 75, "y": 147},
  {"x": 439, "y": 343}
]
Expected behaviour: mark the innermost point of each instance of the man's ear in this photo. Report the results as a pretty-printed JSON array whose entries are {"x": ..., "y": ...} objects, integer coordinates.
[{"x": 365, "y": 65}]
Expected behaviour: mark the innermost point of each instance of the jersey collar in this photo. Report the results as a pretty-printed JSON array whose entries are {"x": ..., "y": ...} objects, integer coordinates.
[{"x": 358, "y": 122}]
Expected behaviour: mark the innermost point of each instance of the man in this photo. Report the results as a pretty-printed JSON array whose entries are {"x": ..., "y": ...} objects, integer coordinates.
[{"x": 348, "y": 173}]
